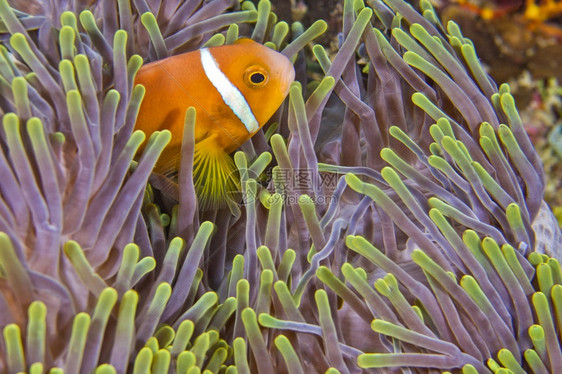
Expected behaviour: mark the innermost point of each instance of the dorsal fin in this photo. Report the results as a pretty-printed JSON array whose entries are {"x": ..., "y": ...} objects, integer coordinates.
[{"x": 244, "y": 41}]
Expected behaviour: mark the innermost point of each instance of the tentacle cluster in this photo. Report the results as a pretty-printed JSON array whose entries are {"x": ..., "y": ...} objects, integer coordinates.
[{"x": 400, "y": 227}]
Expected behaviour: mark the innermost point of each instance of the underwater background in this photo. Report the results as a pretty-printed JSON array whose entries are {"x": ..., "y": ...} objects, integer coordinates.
[{"x": 392, "y": 218}]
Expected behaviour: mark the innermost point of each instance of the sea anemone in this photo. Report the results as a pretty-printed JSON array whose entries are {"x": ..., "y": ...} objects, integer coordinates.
[{"x": 391, "y": 216}]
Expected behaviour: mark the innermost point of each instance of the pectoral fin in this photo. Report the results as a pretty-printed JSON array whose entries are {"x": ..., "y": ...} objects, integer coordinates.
[{"x": 215, "y": 176}]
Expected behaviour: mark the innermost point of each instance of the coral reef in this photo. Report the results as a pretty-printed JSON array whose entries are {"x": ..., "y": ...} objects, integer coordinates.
[
  {"x": 392, "y": 215},
  {"x": 544, "y": 119}
]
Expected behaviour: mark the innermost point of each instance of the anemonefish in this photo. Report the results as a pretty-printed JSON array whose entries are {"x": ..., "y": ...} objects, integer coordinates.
[{"x": 235, "y": 89}]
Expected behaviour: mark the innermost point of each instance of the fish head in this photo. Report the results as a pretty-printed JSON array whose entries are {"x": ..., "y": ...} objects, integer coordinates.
[{"x": 263, "y": 77}]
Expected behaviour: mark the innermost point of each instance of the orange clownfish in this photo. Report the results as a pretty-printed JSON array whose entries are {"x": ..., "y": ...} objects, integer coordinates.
[{"x": 234, "y": 88}]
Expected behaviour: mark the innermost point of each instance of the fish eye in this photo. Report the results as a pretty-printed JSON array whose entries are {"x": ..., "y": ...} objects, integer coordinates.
[{"x": 255, "y": 77}]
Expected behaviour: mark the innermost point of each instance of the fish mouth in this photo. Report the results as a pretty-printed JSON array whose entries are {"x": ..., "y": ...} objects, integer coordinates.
[
  {"x": 290, "y": 73},
  {"x": 287, "y": 75}
]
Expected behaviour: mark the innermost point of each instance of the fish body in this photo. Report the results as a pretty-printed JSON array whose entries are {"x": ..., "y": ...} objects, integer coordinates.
[{"x": 235, "y": 89}]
